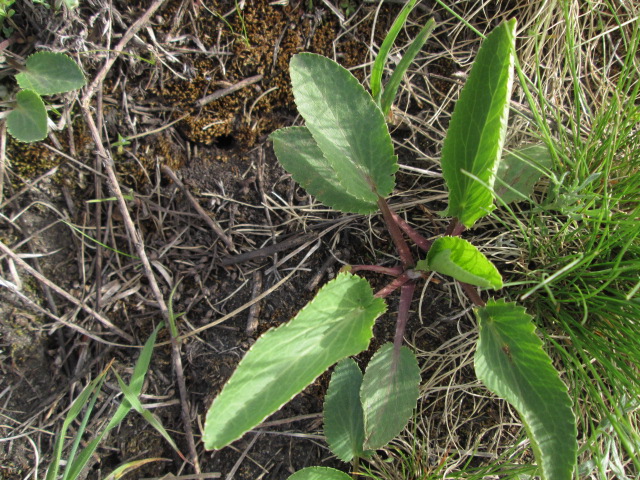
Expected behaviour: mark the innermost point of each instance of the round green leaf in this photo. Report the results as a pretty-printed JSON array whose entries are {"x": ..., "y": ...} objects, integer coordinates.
[
  {"x": 461, "y": 260},
  {"x": 346, "y": 124},
  {"x": 343, "y": 418},
  {"x": 389, "y": 393},
  {"x": 336, "y": 324},
  {"x": 476, "y": 133},
  {"x": 510, "y": 361},
  {"x": 319, "y": 473},
  {"x": 28, "y": 121},
  {"x": 48, "y": 73}
]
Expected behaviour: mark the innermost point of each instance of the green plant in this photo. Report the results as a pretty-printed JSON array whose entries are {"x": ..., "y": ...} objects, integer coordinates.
[
  {"x": 77, "y": 461},
  {"x": 344, "y": 156},
  {"x": 45, "y": 73}
]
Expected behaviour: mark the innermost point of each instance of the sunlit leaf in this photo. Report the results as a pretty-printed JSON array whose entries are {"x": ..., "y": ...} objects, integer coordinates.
[
  {"x": 299, "y": 154},
  {"x": 510, "y": 361},
  {"x": 336, "y": 324},
  {"x": 461, "y": 260},
  {"x": 476, "y": 133},
  {"x": 346, "y": 124}
]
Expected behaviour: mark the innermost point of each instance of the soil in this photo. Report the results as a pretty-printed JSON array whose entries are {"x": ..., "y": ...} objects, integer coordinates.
[{"x": 151, "y": 119}]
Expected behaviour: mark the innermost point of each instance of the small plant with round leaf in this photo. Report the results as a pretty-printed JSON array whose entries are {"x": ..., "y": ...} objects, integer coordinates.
[
  {"x": 344, "y": 157},
  {"x": 44, "y": 73}
]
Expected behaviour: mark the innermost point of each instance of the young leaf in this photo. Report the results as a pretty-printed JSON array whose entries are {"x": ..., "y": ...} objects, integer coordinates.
[
  {"x": 519, "y": 171},
  {"x": 385, "y": 48},
  {"x": 477, "y": 129},
  {"x": 48, "y": 73},
  {"x": 299, "y": 154},
  {"x": 343, "y": 418},
  {"x": 336, "y": 324},
  {"x": 389, "y": 393},
  {"x": 319, "y": 473},
  {"x": 461, "y": 260},
  {"x": 510, "y": 361},
  {"x": 347, "y": 125},
  {"x": 391, "y": 89},
  {"x": 28, "y": 121}
]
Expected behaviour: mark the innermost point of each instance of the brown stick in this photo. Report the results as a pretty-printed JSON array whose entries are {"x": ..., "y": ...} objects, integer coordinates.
[
  {"x": 254, "y": 310},
  {"x": 226, "y": 91},
  {"x": 129, "y": 34},
  {"x": 269, "y": 250},
  {"x": 63, "y": 293},
  {"x": 201, "y": 211}
]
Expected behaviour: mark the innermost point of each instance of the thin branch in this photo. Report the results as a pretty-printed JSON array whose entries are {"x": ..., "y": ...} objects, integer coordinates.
[
  {"x": 392, "y": 271},
  {"x": 396, "y": 235},
  {"x": 393, "y": 285},
  {"x": 406, "y": 296},
  {"x": 201, "y": 211},
  {"x": 473, "y": 294},
  {"x": 418, "y": 239},
  {"x": 226, "y": 91}
]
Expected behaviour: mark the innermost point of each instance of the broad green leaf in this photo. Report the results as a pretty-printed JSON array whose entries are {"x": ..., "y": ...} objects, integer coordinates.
[
  {"x": 347, "y": 125},
  {"x": 299, "y": 154},
  {"x": 389, "y": 393},
  {"x": 510, "y": 361},
  {"x": 336, "y": 324},
  {"x": 343, "y": 418},
  {"x": 519, "y": 171},
  {"x": 48, "y": 73},
  {"x": 319, "y": 473},
  {"x": 385, "y": 48},
  {"x": 472, "y": 148},
  {"x": 27, "y": 122},
  {"x": 391, "y": 89},
  {"x": 459, "y": 259}
]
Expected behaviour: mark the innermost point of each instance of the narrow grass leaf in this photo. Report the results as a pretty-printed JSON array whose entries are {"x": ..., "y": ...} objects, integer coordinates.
[
  {"x": 385, "y": 48},
  {"x": 347, "y": 125},
  {"x": 343, "y": 418},
  {"x": 128, "y": 467},
  {"x": 456, "y": 257},
  {"x": 319, "y": 473},
  {"x": 511, "y": 362},
  {"x": 519, "y": 171},
  {"x": 48, "y": 73},
  {"x": 27, "y": 122},
  {"x": 135, "y": 386},
  {"x": 477, "y": 129},
  {"x": 146, "y": 414},
  {"x": 389, "y": 393},
  {"x": 336, "y": 324},
  {"x": 391, "y": 88},
  {"x": 76, "y": 408},
  {"x": 300, "y": 155}
]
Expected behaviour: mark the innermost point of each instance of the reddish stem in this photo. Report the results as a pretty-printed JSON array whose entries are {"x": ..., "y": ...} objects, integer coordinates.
[
  {"x": 393, "y": 271},
  {"x": 406, "y": 295},
  {"x": 418, "y": 239},
  {"x": 396, "y": 235},
  {"x": 455, "y": 228},
  {"x": 473, "y": 295},
  {"x": 393, "y": 285}
]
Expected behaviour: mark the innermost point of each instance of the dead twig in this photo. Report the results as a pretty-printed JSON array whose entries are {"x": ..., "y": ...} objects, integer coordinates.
[
  {"x": 63, "y": 293},
  {"x": 254, "y": 311},
  {"x": 269, "y": 250},
  {"x": 210, "y": 221},
  {"x": 228, "y": 90}
]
